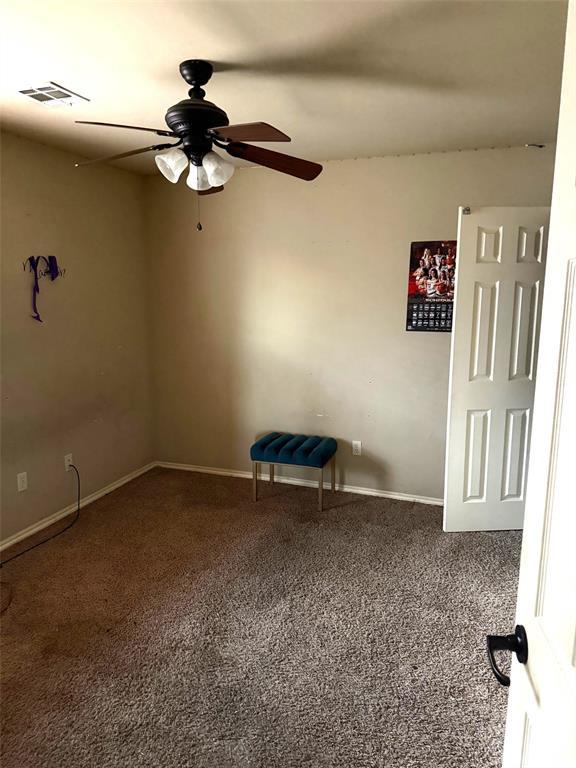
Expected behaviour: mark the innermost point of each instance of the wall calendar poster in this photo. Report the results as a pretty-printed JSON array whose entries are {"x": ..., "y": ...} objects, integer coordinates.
[{"x": 431, "y": 285}]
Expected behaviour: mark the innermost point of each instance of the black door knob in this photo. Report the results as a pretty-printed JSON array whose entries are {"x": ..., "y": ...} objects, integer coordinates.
[{"x": 517, "y": 643}]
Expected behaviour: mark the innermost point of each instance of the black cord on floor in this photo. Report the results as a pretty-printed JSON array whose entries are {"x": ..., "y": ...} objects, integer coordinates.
[{"x": 70, "y": 524}]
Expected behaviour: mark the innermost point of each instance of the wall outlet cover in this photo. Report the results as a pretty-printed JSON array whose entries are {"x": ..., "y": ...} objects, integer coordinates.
[
  {"x": 22, "y": 480},
  {"x": 68, "y": 461},
  {"x": 356, "y": 447}
]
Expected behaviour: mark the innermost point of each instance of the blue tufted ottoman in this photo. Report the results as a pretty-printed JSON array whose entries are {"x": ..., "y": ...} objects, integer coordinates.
[{"x": 297, "y": 450}]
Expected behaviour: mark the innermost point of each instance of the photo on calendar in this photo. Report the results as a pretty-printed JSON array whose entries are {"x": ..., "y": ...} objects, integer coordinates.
[{"x": 431, "y": 285}]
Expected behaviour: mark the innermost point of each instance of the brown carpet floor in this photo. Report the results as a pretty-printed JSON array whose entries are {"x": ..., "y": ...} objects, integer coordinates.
[{"x": 178, "y": 624}]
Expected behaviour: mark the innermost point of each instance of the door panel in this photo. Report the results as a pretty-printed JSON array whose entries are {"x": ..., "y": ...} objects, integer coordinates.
[
  {"x": 483, "y": 342},
  {"x": 524, "y": 324},
  {"x": 541, "y": 724},
  {"x": 516, "y": 431},
  {"x": 500, "y": 271}
]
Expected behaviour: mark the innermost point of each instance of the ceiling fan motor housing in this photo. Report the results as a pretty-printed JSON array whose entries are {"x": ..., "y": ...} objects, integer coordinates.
[{"x": 192, "y": 117}]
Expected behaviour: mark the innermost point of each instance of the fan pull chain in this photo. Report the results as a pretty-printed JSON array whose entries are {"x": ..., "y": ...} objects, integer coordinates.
[{"x": 198, "y": 225}]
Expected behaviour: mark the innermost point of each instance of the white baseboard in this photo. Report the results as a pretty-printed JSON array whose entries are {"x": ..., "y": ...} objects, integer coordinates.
[
  {"x": 308, "y": 483},
  {"x": 46, "y": 521}
]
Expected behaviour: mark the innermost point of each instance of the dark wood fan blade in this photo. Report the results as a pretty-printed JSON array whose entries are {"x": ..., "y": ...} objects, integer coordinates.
[
  {"x": 157, "y": 131},
  {"x": 294, "y": 166},
  {"x": 249, "y": 132},
  {"x": 211, "y": 191},
  {"x": 124, "y": 154}
]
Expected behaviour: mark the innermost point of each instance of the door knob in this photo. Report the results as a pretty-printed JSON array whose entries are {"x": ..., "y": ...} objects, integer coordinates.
[{"x": 516, "y": 643}]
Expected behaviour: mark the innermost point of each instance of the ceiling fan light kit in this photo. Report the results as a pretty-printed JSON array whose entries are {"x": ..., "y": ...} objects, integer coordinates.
[
  {"x": 198, "y": 125},
  {"x": 214, "y": 171},
  {"x": 198, "y": 179},
  {"x": 171, "y": 164},
  {"x": 218, "y": 170}
]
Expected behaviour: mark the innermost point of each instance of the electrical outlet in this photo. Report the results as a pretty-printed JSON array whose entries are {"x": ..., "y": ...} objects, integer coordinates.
[
  {"x": 356, "y": 447},
  {"x": 68, "y": 461},
  {"x": 22, "y": 480}
]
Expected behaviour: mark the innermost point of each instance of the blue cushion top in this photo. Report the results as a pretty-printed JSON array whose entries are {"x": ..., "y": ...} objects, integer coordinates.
[{"x": 284, "y": 448}]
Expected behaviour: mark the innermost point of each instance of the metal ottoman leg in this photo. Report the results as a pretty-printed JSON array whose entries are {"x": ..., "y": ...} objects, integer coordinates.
[
  {"x": 333, "y": 472},
  {"x": 271, "y": 473},
  {"x": 254, "y": 481},
  {"x": 320, "y": 488}
]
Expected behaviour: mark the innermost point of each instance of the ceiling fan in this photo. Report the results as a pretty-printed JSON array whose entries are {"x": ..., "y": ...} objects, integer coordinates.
[{"x": 199, "y": 125}]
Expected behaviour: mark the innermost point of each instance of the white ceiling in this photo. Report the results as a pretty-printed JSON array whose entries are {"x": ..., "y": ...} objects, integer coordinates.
[{"x": 344, "y": 79}]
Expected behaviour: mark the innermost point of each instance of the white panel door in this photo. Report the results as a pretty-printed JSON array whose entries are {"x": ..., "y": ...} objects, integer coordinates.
[
  {"x": 541, "y": 726},
  {"x": 499, "y": 281}
]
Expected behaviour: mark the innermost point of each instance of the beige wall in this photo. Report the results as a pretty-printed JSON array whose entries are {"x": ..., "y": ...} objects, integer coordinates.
[
  {"x": 288, "y": 311},
  {"x": 78, "y": 382}
]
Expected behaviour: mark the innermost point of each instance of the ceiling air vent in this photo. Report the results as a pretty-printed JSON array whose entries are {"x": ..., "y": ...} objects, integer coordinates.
[{"x": 53, "y": 95}]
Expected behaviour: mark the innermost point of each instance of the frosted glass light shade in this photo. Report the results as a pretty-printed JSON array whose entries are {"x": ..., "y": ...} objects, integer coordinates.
[
  {"x": 218, "y": 170},
  {"x": 197, "y": 178},
  {"x": 171, "y": 164}
]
